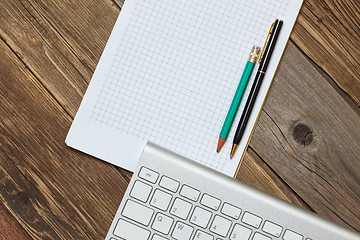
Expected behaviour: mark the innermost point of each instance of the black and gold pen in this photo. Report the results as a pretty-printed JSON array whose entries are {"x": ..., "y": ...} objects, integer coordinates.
[{"x": 264, "y": 62}]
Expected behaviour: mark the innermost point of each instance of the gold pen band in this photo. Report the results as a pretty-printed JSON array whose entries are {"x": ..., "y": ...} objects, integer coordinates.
[
  {"x": 262, "y": 72},
  {"x": 266, "y": 43}
]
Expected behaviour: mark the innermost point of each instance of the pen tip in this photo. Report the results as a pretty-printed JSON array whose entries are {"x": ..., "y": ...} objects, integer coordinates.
[
  {"x": 233, "y": 149},
  {"x": 220, "y": 144}
]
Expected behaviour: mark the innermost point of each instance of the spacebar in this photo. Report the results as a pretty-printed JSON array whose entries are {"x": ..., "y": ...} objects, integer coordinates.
[{"x": 129, "y": 231}]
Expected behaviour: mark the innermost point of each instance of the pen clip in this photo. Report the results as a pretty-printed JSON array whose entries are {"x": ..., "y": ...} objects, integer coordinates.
[{"x": 266, "y": 42}]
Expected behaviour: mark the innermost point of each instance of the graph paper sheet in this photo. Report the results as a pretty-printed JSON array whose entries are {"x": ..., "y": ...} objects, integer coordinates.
[{"x": 168, "y": 75}]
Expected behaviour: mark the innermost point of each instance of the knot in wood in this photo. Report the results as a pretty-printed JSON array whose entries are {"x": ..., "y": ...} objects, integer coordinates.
[{"x": 302, "y": 134}]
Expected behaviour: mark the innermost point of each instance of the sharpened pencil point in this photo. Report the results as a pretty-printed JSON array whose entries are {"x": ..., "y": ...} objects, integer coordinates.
[{"x": 220, "y": 144}]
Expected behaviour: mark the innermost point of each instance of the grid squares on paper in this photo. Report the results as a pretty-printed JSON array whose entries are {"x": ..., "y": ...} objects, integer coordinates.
[{"x": 176, "y": 69}]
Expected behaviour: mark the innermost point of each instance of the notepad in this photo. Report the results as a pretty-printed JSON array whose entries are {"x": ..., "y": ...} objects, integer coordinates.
[{"x": 168, "y": 74}]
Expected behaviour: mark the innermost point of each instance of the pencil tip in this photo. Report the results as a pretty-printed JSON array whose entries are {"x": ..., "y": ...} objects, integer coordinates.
[{"x": 220, "y": 144}]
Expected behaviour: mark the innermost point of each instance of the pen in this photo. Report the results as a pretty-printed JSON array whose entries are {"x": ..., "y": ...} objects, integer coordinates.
[
  {"x": 255, "y": 51},
  {"x": 264, "y": 62}
]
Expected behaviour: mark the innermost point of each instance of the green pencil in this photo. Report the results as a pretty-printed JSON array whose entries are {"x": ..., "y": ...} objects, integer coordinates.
[{"x": 255, "y": 51}]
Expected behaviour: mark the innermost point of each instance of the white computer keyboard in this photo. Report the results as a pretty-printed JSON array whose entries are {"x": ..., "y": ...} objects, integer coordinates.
[{"x": 170, "y": 197}]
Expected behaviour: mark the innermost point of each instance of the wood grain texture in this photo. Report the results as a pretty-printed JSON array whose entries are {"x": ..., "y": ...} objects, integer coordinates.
[
  {"x": 61, "y": 51},
  {"x": 54, "y": 192},
  {"x": 323, "y": 165},
  {"x": 256, "y": 173},
  {"x": 329, "y": 33},
  {"x": 10, "y": 229},
  {"x": 49, "y": 54}
]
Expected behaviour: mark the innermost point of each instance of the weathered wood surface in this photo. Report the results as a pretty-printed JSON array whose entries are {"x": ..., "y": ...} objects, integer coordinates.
[
  {"x": 57, "y": 36},
  {"x": 329, "y": 33},
  {"x": 49, "y": 54},
  {"x": 10, "y": 229},
  {"x": 55, "y": 192},
  {"x": 255, "y": 172},
  {"x": 310, "y": 136}
]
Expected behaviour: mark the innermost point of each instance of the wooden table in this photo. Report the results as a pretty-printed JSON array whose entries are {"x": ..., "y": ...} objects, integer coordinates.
[{"x": 305, "y": 148}]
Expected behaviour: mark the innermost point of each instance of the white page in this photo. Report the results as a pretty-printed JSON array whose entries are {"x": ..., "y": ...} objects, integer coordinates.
[{"x": 168, "y": 75}]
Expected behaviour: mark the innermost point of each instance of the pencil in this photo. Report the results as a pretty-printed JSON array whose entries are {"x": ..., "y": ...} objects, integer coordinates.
[{"x": 255, "y": 51}]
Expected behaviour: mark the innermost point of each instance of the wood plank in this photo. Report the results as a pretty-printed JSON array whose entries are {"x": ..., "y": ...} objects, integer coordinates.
[
  {"x": 329, "y": 33},
  {"x": 53, "y": 191},
  {"x": 120, "y": 3},
  {"x": 10, "y": 229},
  {"x": 256, "y": 173},
  {"x": 309, "y": 136},
  {"x": 86, "y": 27},
  {"x": 60, "y": 51}
]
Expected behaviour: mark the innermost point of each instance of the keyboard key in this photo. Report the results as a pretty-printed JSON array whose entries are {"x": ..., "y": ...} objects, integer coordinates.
[
  {"x": 231, "y": 211},
  {"x": 251, "y": 219},
  {"x": 137, "y": 212},
  {"x": 181, "y": 208},
  {"x": 190, "y": 193},
  {"x": 259, "y": 236},
  {"x": 127, "y": 230},
  {"x": 182, "y": 231},
  {"x": 290, "y": 235},
  {"x": 162, "y": 223},
  {"x": 210, "y": 202},
  {"x": 272, "y": 228},
  {"x": 157, "y": 237},
  {"x": 141, "y": 191},
  {"x": 200, "y": 217},
  {"x": 220, "y": 226},
  {"x": 240, "y": 233},
  {"x": 169, "y": 184},
  {"x": 161, "y": 200},
  {"x": 148, "y": 174},
  {"x": 200, "y": 235}
]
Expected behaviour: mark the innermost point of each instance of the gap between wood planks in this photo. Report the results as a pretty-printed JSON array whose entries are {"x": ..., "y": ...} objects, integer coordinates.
[
  {"x": 40, "y": 82},
  {"x": 46, "y": 201},
  {"x": 268, "y": 180},
  {"x": 333, "y": 83},
  {"x": 309, "y": 138}
]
